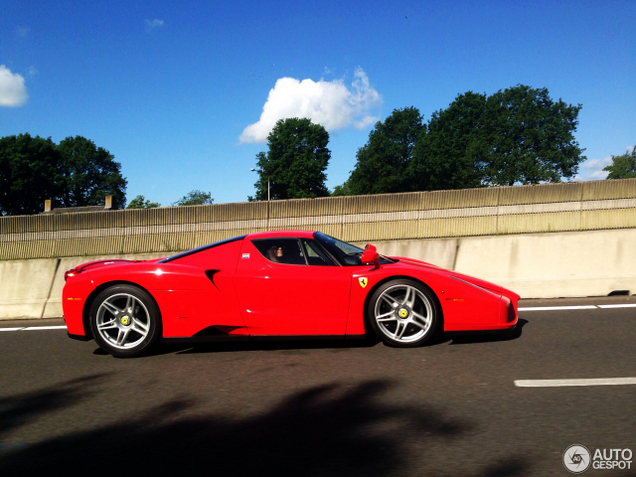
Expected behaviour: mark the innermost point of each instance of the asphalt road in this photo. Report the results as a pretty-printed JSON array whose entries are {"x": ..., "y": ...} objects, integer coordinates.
[{"x": 323, "y": 408}]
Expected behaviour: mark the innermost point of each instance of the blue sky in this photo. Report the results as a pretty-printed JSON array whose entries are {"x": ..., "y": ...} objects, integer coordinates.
[{"x": 184, "y": 93}]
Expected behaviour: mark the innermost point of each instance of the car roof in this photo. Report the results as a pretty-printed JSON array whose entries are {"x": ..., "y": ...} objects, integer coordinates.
[
  {"x": 281, "y": 233},
  {"x": 253, "y": 236}
]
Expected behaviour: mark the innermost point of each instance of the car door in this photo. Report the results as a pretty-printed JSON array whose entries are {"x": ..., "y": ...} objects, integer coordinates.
[{"x": 288, "y": 286}]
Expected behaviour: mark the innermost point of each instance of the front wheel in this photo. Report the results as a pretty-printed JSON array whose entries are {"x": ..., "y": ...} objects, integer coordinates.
[
  {"x": 403, "y": 313},
  {"x": 125, "y": 321}
]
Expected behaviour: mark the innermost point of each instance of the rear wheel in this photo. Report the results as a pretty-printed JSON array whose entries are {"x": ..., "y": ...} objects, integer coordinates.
[
  {"x": 125, "y": 321},
  {"x": 403, "y": 313}
]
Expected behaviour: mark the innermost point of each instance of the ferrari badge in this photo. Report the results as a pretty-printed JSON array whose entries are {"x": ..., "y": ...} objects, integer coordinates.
[{"x": 363, "y": 281}]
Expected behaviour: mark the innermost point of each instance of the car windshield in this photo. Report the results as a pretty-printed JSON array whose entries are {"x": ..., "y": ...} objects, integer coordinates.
[{"x": 343, "y": 252}]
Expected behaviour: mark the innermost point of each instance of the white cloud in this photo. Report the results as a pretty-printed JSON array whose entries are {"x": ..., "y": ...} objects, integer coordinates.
[
  {"x": 597, "y": 175},
  {"x": 329, "y": 103},
  {"x": 592, "y": 169},
  {"x": 22, "y": 31},
  {"x": 593, "y": 164},
  {"x": 154, "y": 24},
  {"x": 13, "y": 92}
]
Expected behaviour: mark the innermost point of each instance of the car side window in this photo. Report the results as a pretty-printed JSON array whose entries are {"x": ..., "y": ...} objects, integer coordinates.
[
  {"x": 314, "y": 254},
  {"x": 281, "y": 250}
]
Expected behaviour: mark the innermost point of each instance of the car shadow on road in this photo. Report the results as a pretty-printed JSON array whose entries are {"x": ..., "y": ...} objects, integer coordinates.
[
  {"x": 262, "y": 345},
  {"x": 486, "y": 336},
  {"x": 330, "y": 430},
  {"x": 295, "y": 343}
]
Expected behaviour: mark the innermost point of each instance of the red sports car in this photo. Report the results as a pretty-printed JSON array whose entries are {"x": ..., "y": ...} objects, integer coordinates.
[{"x": 276, "y": 284}]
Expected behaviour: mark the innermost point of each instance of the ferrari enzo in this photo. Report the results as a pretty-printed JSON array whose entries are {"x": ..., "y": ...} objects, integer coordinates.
[{"x": 276, "y": 284}]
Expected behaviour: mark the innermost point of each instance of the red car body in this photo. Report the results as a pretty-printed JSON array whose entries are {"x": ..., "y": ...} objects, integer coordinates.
[{"x": 232, "y": 289}]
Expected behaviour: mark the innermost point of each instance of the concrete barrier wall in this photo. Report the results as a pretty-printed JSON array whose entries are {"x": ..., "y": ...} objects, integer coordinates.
[
  {"x": 562, "y": 207},
  {"x": 565, "y": 264},
  {"x": 33, "y": 288}
]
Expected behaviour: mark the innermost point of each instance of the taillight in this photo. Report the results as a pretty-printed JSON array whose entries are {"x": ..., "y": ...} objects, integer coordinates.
[{"x": 71, "y": 273}]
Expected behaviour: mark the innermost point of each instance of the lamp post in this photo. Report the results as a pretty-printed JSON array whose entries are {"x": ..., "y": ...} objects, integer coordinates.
[{"x": 268, "y": 185}]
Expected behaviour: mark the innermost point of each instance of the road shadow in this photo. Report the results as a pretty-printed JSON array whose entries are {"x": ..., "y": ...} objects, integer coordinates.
[
  {"x": 329, "y": 430},
  {"x": 18, "y": 410}
]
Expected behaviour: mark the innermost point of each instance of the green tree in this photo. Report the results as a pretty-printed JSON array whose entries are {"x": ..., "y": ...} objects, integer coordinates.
[
  {"x": 195, "y": 197},
  {"x": 28, "y": 174},
  {"x": 453, "y": 151},
  {"x": 530, "y": 137},
  {"x": 623, "y": 166},
  {"x": 73, "y": 173},
  {"x": 342, "y": 189},
  {"x": 516, "y": 136},
  {"x": 140, "y": 202},
  {"x": 296, "y": 161},
  {"x": 383, "y": 162},
  {"x": 89, "y": 173}
]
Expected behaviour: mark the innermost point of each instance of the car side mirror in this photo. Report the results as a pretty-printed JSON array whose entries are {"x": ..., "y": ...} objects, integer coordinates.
[{"x": 370, "y": 255}]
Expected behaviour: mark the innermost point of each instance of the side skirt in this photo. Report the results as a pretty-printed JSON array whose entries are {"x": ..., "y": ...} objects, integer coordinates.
[{"x": 479, "y": 333}]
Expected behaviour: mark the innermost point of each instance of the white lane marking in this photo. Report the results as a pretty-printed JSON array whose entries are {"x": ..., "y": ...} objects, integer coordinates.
[
  {"x": 557, "y": 383},
  {"x": 554, "y": 308},
  {"x": 531, "y": 308},
  {"x": 37, "y": 328},
  {"x": 626, "y": 305}
]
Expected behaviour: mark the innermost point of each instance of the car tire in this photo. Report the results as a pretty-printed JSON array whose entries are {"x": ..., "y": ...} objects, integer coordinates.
[
  {"x": 403, "y": 313},
  {"x": 125, "y": 321}
]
